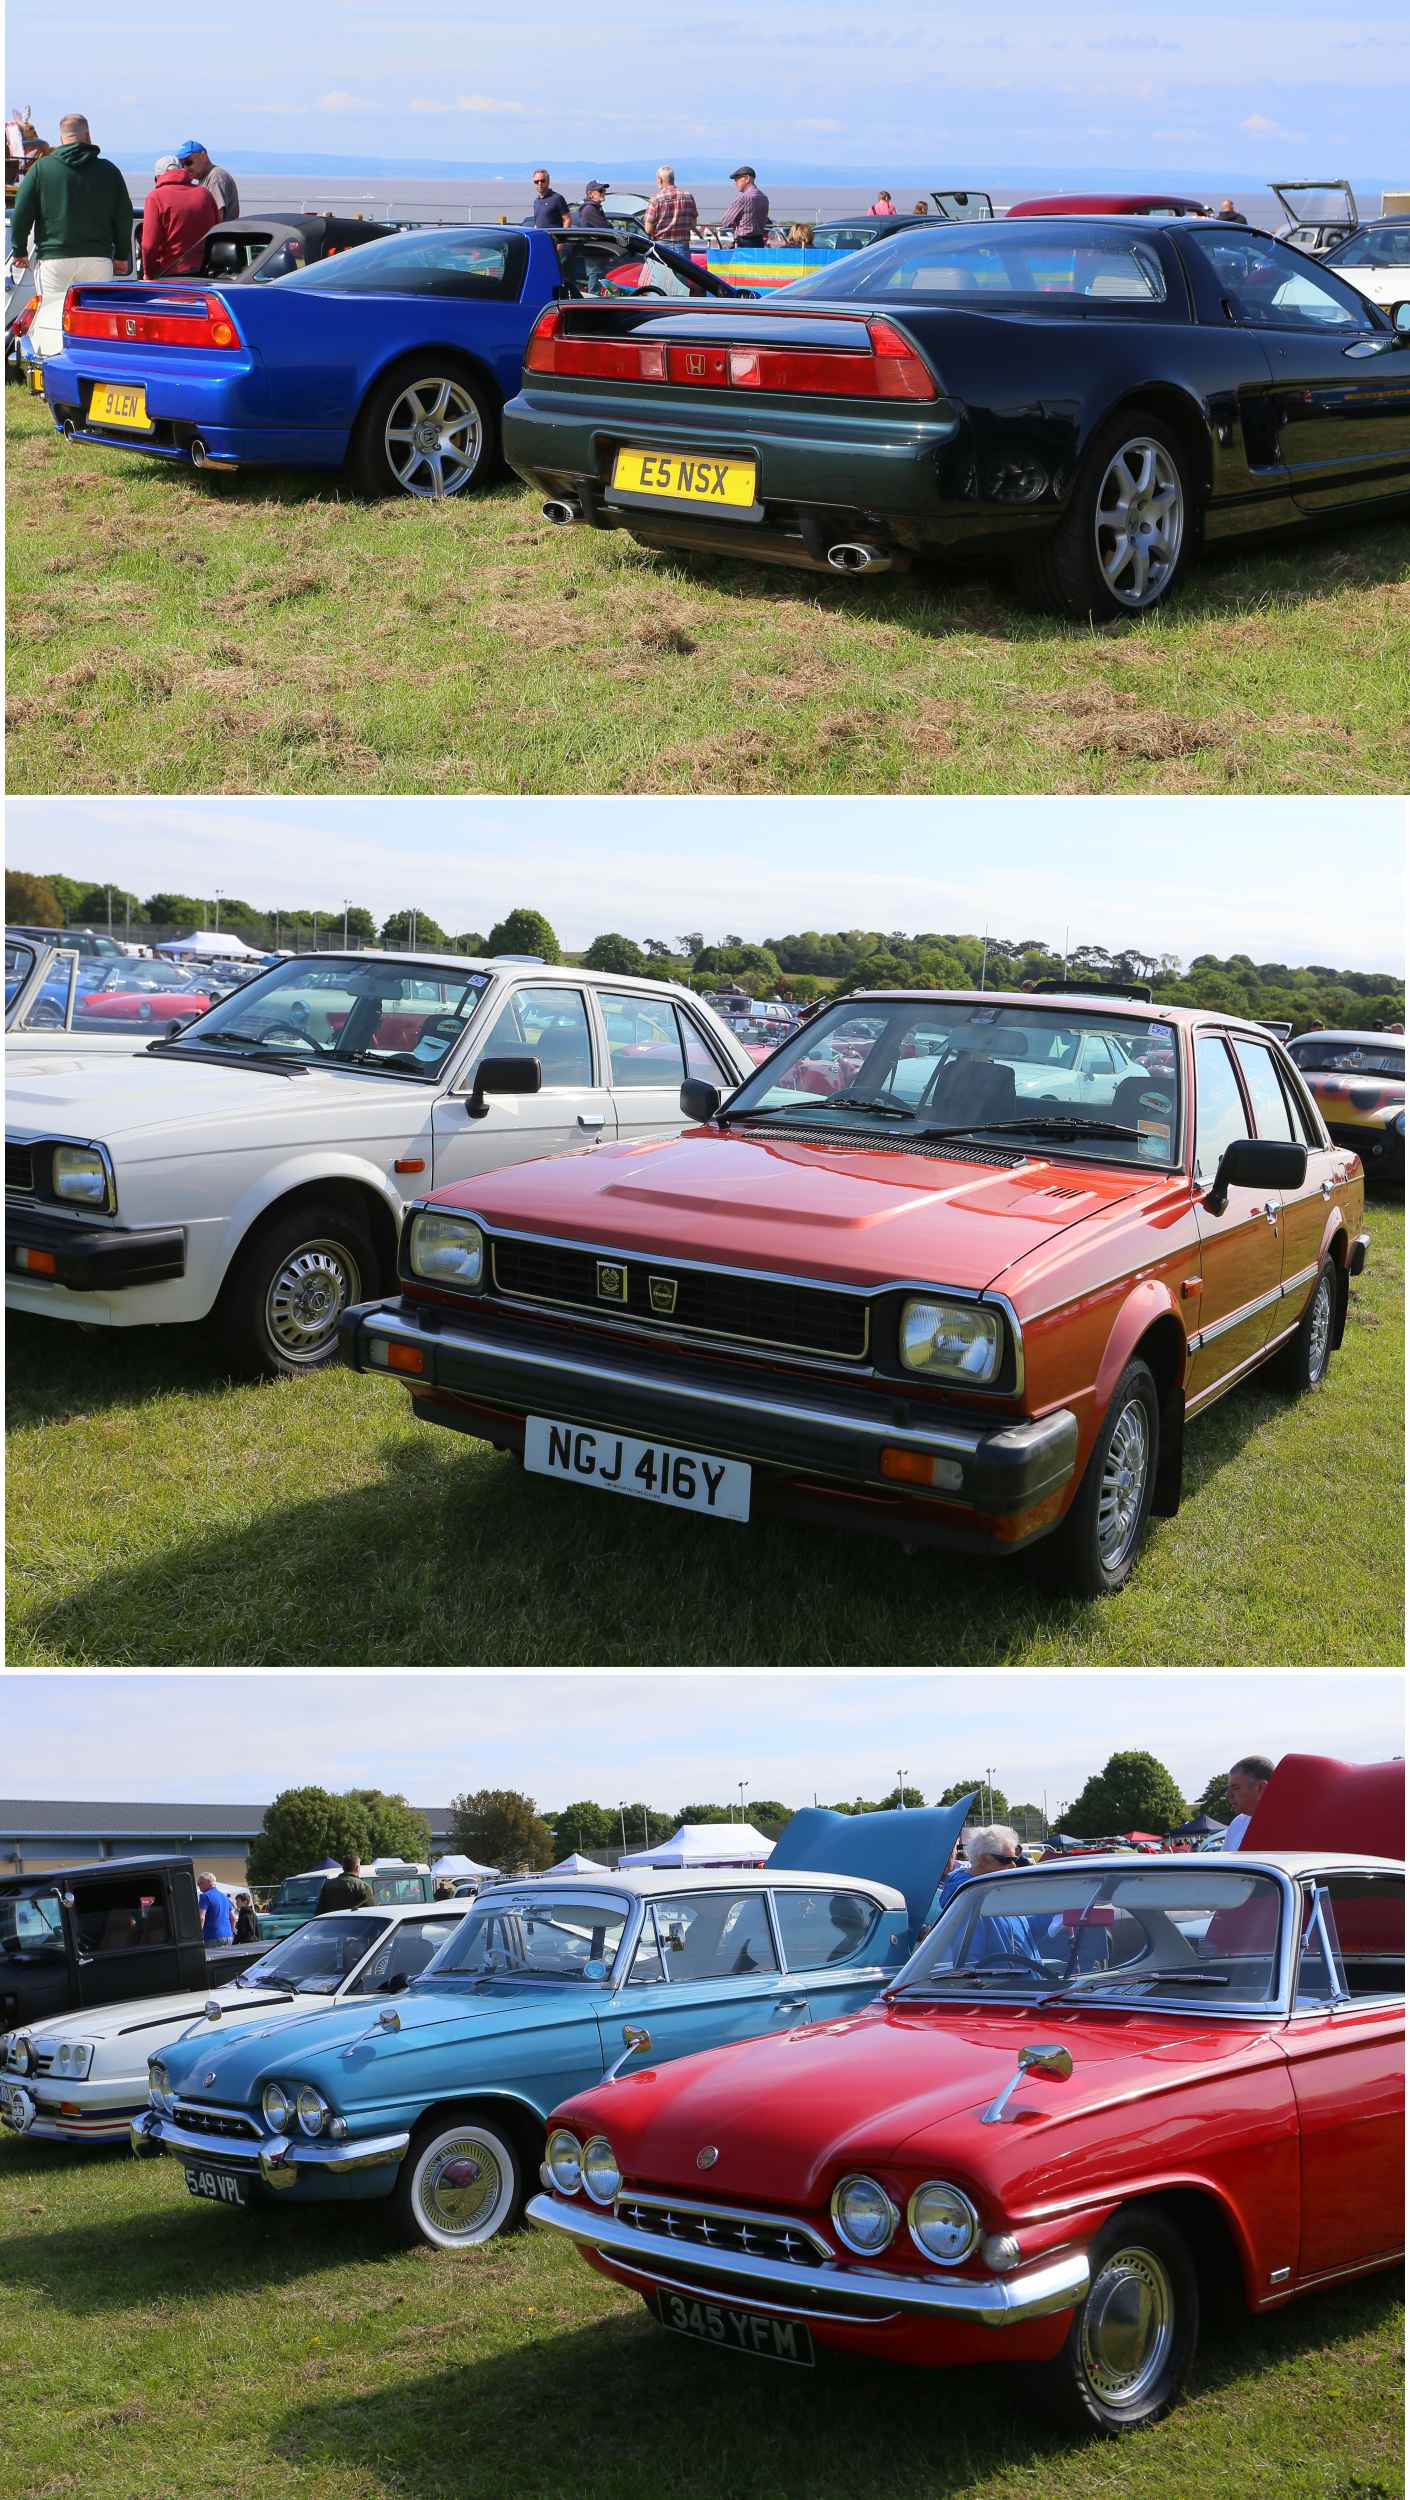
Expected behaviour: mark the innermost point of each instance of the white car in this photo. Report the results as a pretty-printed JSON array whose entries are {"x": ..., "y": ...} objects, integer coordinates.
[
  {"x": 255, "y": 1165},
  {"x": 1376, "y": 260},
  {"x": 82, "y": 2078}
]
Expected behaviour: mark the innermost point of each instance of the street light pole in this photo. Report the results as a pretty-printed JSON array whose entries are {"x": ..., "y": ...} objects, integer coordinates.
[
  {"x": 741, "y": 1785},
  {"x": 109, "y": 892},
  {"x": 989, "y": 1775},
  {"x": 622, "y": 1810},
  {"x": 901, "y": 1789},
  {"x": 217, "y": 908},
  {"x": 347, "y": 898}
]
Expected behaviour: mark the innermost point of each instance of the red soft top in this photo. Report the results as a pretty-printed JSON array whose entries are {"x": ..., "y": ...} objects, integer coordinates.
[{"x": 1314, "y": 1802}]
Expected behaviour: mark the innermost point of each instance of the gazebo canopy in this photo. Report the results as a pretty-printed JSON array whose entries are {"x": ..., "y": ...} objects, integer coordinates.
[
  {"x": 576, "y": 1864},
  {"x": 705, "y": 1844}
]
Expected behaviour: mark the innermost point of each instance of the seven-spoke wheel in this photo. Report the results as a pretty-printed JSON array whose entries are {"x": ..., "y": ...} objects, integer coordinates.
[
  {"x": 433, "y": 436},
  {"x": 1139, "y": 522}
]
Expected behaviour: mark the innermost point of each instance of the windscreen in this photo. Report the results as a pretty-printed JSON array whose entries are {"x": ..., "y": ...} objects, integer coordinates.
[
  {"x": 429, "y": 262},
  {"x": 558, "y": 1936},
  {"x": 1209, "y": 1931},
  {"x": 397, "y": 1018},
  {"x": 1323, "y": 1055},
  {"x": 1376, "y": 247},
  {"x": 318, "y": 1959},
  {"x": 298, "y": 1892},
  {"x": 998, "y": 265}
]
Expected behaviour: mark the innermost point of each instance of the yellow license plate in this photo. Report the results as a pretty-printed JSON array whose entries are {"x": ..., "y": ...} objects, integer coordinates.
[
  {"x": 685, "y": 477},
  {"x": 115, "y": 403},
  {"x": 36, "y": 378}
]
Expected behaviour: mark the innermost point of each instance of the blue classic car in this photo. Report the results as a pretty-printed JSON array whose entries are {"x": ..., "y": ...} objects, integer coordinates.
[
  {"x": 392, "y": 361},
  {"x": 437, "y": 2101}
]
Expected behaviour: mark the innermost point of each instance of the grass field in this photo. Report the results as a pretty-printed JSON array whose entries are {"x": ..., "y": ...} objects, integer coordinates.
[
  {"x": 174, "y": 633},
  {"x": 160, "y": 1515},
  {"x": 156, "y": 2347}
]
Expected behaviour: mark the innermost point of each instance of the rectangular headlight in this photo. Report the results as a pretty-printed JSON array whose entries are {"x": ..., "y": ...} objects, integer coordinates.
[
  {"x": 80, "y": 1173},
  {"x": 447, "y": 1249},
  {"x": 952, "y": 1341}
]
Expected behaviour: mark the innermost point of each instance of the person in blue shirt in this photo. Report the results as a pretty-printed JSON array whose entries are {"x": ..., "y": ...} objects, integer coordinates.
[
  {"x": 550, "y": 208},
  {"x": 996, "y": 1938},
  {"x": 217, "y": 1920}
]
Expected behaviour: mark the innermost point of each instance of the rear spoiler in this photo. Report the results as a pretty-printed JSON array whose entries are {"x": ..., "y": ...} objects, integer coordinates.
[{"x": 154, "y": 313}]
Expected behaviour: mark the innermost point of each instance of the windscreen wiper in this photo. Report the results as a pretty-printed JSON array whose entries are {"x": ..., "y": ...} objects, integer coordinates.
[
  {"x": 980, "y": 1970},
  {"x": 1137, "y": 1979},
  {"x": 828, "y": 1102},
  {"x": 1048, "y": 1125}
]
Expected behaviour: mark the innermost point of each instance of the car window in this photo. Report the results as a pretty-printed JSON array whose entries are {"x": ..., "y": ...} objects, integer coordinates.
[
  {"x": 116, "y": 1917},
  {"x": 1220, "y": 1116},
  {"x": 1378, "y": 248},
  {"x": 1267, "y": 287},
  {"x": 397, "y": 1888},
  {"x": 1353, "y": 1938},
  {"x": 318, "y": 1957},
  {"x": 647, "y": 1964},
  {"x": 822, "y": 1927},
  {"x": 404, "y": 1954},
  {"x": 717, "y": 1935},
  {"x": 643, "y": 1040},
  {"x": 1323, "y": 1055},
  {"x": 1271, "y": 1116},
  {"x": 1023, "y": 261},
  {"x": 400, "y": 1018},
  {"x": 448, "y": 261},
  {"x": 700, "y": 1058},
  {"x": 549, "y": 1023}
]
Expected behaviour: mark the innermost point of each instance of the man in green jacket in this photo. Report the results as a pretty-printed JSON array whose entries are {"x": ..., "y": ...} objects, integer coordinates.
[{"x": 76, "y": 206}]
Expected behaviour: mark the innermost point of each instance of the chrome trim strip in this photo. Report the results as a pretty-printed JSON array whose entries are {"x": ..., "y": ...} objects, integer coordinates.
[
  {"x": 999, "y": 2301},
  {"x": 1235, "y": 1319},
  {"x": 658, "y": 2203},
  {"x": 154, "y": 2132}
]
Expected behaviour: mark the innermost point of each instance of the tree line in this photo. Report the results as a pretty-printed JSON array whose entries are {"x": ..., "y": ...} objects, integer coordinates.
[{"x": 505, "y": 1828}]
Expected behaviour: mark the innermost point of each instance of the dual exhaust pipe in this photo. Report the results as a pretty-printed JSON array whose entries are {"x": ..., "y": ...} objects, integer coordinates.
[
  {"x": 847, "y": 555},
  {"x": 203, "y": 459}
]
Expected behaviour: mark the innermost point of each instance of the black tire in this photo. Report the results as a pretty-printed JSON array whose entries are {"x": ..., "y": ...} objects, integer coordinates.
[
  {"x": 420, "y": 383},
  {"x": 1093, "y": 1552},
  {"x": 1133, "y": 2340},
  {"x": 1302, "y": 1364},
  {"x": 429, "y": 2197},
  {"x": 1069, "y": 569},
  {"x": 290, "y": 1284}
]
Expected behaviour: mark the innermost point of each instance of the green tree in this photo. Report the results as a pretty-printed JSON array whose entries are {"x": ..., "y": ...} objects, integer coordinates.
[
  {"x": 614, "y": 953},
  {"x": 764, "y": 1811},
  {"x": 584, "y": 1827},
  {"x": 1214, "y": 1798},
  {"x": 32, "y": 901},
  {"x": 176, "y": 910},
  {"x": 980, "y": 1808},
  {"x": 397, "y": 931},
  {"x": 1134, "y": 1793},
  {"x": 304, "y": 1826},
  {"x": 502, "y": 1828},
  {"x": 362, "y": 928},
  {"x": 394, "y": 1829},
  {"x": 469, "y": 942},
  {"x": 524, "y": 932},
  {"x": 647, "y": 1827},
  {"x": 908, "y": 1797},
  {"x": 92, "y": 904}
]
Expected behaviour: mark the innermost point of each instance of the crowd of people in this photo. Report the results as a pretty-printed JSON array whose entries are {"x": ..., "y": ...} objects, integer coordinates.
[{"x": 74, "y": 210}]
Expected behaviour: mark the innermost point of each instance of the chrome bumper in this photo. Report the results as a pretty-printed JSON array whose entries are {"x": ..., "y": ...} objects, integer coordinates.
[
  {"x": 1001, "y": 2300},
  {"x": 276, "y": 2160}
]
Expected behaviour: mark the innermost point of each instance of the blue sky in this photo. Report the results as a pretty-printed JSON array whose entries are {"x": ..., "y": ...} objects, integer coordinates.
[
  {"x": 665, "y": 1736},
  {"x": 1283, "y": 880},
  {"x": 1243, "y": 87}
]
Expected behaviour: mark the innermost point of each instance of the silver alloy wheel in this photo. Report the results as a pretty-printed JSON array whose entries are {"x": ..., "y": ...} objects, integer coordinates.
[
  {"x": 433, "y": 437},
  {"x": 1124, "y": 1472},
  {"x": 308, "y": 1294},
  {"x": 1140, "y": 522},
  {"x": 1128, "y": 2327},
  {"x": 1319, "y": 1329},
  {"x": 463, "y": 2188}
]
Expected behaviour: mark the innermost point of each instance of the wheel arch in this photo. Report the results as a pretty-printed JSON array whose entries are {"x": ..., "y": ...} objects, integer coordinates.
[
  {"x": 352, "y": 1186},
  {"x": 1148, "y": 1328},
  {"x": 1181, "y": 410},
  {"x": 523, "y": 2122},
  {"x": 1224, "y": 2258},
  {"x": 1336, "y": 1246},
  {"x": 403, "y": 359}
]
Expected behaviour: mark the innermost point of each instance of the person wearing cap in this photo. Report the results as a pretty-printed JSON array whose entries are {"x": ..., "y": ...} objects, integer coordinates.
[
  {"x": 195, "y": 156},
  {"x": 671, "y": 214},
  {"x": 748, "y": 220},
  {"x": 550, "y": 208},
  {"x": 177, "y": 215},
  {"x": 592, "y": 212}
]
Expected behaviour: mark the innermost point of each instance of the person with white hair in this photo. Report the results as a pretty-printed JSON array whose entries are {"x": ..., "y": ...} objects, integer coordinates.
[
  {"x": 177, "y": 215},
  {"x": 993, "y": 1849},
  {"x": 217, "y": 1918},
  {"x": 75, "y": 207},
  {"x": 671, "y": 213}
]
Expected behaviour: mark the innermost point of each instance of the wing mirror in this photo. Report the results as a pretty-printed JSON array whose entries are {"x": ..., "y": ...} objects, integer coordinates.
[
  {"x": 700, "y": 1100},
  {"x": 396, "y": 1984},
  {"x": 213, "y": 2009},
  {"x": 389, "y": 2019},
  {"x": 637, "y": 2044},
  {"x": 1041, "y": 2058},
  {"x": 1256, "y": 1163},
  {"x": 1400, "y": 319},
  {"x": 503, "y": 1076}
]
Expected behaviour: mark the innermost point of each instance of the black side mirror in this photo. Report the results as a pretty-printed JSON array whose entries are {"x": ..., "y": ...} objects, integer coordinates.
[
  {"x": 503, "y": 1076},
  {"x": 396, "y": 1983},
  {"x": 1256, "y": 1163},
  {"x": 700, "y": 1100},
  {"x": 173, "y": 1028}
]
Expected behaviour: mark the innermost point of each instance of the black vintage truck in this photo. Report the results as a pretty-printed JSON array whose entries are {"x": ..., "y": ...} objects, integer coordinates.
[{"x": 96, "y": 1935}]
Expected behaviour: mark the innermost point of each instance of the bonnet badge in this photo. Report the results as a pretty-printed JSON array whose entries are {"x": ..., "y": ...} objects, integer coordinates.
[{"x": 707, "y": 2157}]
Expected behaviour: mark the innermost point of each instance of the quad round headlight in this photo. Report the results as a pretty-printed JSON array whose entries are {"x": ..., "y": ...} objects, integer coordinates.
[
  {"x": 601, "y": 2177},
  {"x": 278, "y": 2108},
  {"x": 80, "y": 1174},
  {"x": 159, "y": 2083},
  {"x": 20, "y": 2055},
  {"x": 942, "y": 2222},
  {"x": 565, "y": 2161},
  {"x": 447, "y": 1249},
  {"x": 952, "y": 1340},
  {"x": 313, "y": 2110},
  {"x": 864, "y": 2216}
]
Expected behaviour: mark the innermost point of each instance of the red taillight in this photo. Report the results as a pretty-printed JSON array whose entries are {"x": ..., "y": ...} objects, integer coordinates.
[
  {"x": 207, "y": 324},
  {"x": 25, "y": 318},
  {"x": 889, "y": 369},
  {"x": 901, "y": 373}
]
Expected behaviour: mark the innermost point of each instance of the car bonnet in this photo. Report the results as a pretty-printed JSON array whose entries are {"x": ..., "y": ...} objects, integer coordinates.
[
  {"x": 139, "y": 1100},
  {"x": 908, "y": 1848}
]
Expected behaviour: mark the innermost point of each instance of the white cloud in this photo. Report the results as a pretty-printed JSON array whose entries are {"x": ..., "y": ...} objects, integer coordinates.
[
  {"x": 1259, "y": 126},
  {"x": 340, "y": 101},
  {"x": 462, "y": 104}
]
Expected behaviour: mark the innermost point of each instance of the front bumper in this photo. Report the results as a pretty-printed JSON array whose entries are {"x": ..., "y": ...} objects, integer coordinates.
[
  {"x": 858, "y": 2292},
  {"x": 1007, "y": 1466},
  {"x": 1382, "y": 1150},
  {"x": 276, "y": 2160},
  {"x": 106, "y": 1258},
  {"x": 31, "y": 2109}
]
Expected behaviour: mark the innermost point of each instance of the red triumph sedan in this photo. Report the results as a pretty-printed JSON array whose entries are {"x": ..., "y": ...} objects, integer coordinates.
[{"x": 1099, "y": 2096}]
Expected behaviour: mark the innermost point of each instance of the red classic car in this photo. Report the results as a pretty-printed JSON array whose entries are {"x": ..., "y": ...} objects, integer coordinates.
[
  {"x": 1098, "y": 2097},
  {"x": 956, "y": 1267}
]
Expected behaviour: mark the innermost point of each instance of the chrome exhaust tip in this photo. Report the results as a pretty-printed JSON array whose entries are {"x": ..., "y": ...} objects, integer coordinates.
[
  {"x": 561, "y": 509},
  {"x": 70, "y": 430},
  {"x": 856, "y": 555},
  {"x": 203, "y": 459}
]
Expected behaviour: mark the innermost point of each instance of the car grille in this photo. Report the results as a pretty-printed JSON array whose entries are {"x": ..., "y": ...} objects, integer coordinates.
[
  {"x": 718, "y": 2226},
  {"x": 216, "y": 2122},
  {"x": 707, "y": 1302},
  {"x": 19, "y": 1166},
  {"x": 41, "y": 2060}
]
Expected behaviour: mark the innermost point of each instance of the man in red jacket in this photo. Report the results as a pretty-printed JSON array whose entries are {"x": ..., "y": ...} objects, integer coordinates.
[{"x": 176, "y": 218}]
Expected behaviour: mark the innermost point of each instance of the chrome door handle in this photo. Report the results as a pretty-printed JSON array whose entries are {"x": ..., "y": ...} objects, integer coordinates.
[
  {"x": 592, "y": 1120},
  {"x": 1326, "y": 1189},
  {"x": 1273, "y": 1211},
  {"x": 791, "y": 2005}
]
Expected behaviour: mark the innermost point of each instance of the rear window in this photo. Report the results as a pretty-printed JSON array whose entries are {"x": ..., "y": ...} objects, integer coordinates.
[
  {"x": 999, "y": 266},
  {"x": 454, "y": 263}
]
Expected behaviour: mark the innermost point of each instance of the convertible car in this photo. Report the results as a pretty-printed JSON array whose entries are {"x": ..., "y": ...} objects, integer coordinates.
[
  {"x": 1094, "y": 397},
  {"x": 1103, "y": 2097},
  {"x": 392, "y": 361}
]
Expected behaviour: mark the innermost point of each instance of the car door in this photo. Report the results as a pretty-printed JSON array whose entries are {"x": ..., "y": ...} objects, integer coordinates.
[
  {"x": 1241, "y": 1255},
  {"x": 651, "y": 1044},
  {"x": 706, "y": 1970},
  {"x": 1304, "y": 1210},
  {"x": 548, "y": 1020},
  {"x": 825, "y": 1937},
  {"x": 1341, "y": 380},
  {"x": 1345, "y": 2049}
]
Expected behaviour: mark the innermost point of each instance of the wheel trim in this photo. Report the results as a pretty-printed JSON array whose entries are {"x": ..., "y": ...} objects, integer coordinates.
[
  {"x": 1139, "y": 522},
  {"x": 462, "y": 2189},
  {"x": 1319, "y": 1331},
  {"x": 307, "y": 1296},
  {"x": 1127, "y": 2327},
  {"x": 433, "y": 437},
  {"x": 1125, "y": 1468}
]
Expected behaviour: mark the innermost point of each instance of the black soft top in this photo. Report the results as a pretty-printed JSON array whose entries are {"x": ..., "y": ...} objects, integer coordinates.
[{"x": 56, "y": 1875}]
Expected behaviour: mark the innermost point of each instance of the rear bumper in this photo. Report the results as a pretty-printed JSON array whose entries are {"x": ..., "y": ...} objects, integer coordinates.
[
  {"x": 229, "y": 410},
  {"x": 831, "y": 1431},
  {"x": 840, "y": 2292},
  {"x": 277, "y": 2161},
  {"x": 106, "y": 1259}
]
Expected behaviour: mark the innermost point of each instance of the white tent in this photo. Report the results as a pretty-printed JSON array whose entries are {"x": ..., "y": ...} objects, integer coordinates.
[
  {"x": 706, "y": 1844},
  {"x": 211, "y": 945},
  {"x": 455, "y": 1868},
  {"x": 576, "y": 1864}
]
